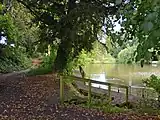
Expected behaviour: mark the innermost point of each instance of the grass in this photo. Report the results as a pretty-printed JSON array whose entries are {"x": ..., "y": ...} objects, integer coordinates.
[
  {"x": 105, "y": 106},
  {"x": 96, "y": 103},
  {"x": 148, "y": 111},
  {"x": 40, "y": 71}
]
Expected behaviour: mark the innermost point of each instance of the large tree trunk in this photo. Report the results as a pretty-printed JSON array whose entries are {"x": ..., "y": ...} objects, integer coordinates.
[
  {"x": 65, "y": 46},
  {"x": 59, "y": 62},
  {"x": 62, "y": 57}
]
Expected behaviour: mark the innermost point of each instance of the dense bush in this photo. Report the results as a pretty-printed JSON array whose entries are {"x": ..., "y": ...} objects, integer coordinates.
[
  {"x": 85, "y": 58},
  {"x": 154, "y": 82},
  {"x": 46, "y": 66},
  {"x": 48, "y": 59},
  {"x": 127, "y": 55},
  {"x": 13, "y": 60},
  {"x": 12, "y": 55}
]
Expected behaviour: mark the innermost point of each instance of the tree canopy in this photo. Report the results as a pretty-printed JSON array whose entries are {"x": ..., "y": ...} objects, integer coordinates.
[{"x": 74, "y": 25}]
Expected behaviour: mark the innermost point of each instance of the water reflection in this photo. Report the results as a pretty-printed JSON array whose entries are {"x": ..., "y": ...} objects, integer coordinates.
[
  {"x": 103, "y": 78},
  {"x": 137, "y": 89},
  {"x": 130, "y": 75},
  {"x": 98, "y": 77}
]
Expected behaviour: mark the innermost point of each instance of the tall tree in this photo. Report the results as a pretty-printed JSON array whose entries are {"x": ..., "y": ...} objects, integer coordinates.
[
  {"x": 74, "y": 24},
  {"x": 143, "y": 24}
]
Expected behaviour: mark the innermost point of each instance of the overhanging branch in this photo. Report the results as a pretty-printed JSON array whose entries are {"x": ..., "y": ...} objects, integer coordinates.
[
  {"x": 30, "y": 9},
  {"x": 103, "y": 44}
]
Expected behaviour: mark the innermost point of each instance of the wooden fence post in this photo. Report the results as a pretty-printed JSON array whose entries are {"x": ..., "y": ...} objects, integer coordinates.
[
  {"x": 130, "y": 90},
  {"x": 109, "y": 92},
  {"x": 143, "y": 92},
  {"x": 127, "y": 95},
  {"x": 61, "y": 90},
  {"x": 159, "y": 100},
  {"x": 89, "y": 93}
]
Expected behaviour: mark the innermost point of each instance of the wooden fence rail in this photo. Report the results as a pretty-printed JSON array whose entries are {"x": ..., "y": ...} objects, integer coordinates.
[{"x": 74, "y": 78}]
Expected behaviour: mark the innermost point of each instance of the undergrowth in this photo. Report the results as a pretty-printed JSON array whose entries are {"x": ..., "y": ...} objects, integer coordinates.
[
  {"x": 15, "y": 62},
  {"x": 45, "y": 67},
  {"x": 102, "y": 104}
]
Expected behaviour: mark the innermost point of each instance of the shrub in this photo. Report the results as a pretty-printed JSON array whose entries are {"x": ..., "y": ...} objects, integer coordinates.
[
  {"x": 154, "y": 82},
  {"x": 46, "y": 65},
  {"x": 104, "y": 106},
  {"x": 127, "y": 55},
  {"x": 13, "y": 60}
]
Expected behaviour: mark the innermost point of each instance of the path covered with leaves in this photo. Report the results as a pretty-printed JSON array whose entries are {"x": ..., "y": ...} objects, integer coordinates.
[{"x": 37, "y": 97}]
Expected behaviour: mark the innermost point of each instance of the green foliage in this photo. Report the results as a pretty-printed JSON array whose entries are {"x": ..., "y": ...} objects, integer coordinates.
[
  {"x": 142, "y": 22},
  {"x": 1, "y": 8},
  {"x": 127, "y": 55},
  {"x": 104, "y": 106},
  {"x": 46, "y": 66},
  {"x": 28, "y": 32},
  {"x": 6, "y": 65},
  {"x": 97, "y": 104},
  {"x": 40, "y": 71},
  {"x": 48, "y": 59},
  {"x": 13, "y": 60},
  {"x": 153, "y": 82},
  {"x": 16, "y": 27},
  {"x": 74, "y": 25},
  {"x": 8, "y": 28},
  {"x": 100, "y": 54},
  {"x": 85, "y": 58},
  {"x": 149, "y": 111}
]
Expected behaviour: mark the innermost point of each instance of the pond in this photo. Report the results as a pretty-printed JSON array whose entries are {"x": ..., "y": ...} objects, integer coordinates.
[{"x": 127, "y": 74}]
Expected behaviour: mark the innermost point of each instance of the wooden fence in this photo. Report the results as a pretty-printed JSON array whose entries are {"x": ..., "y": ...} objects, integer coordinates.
[{"x": 74, "y": 78}]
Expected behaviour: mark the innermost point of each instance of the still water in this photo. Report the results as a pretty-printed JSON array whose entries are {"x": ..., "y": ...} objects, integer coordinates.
[{"x": 131, "y": 75}]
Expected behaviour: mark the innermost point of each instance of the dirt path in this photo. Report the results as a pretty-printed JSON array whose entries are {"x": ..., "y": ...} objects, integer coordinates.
[{"x": 37, "y": 98}]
